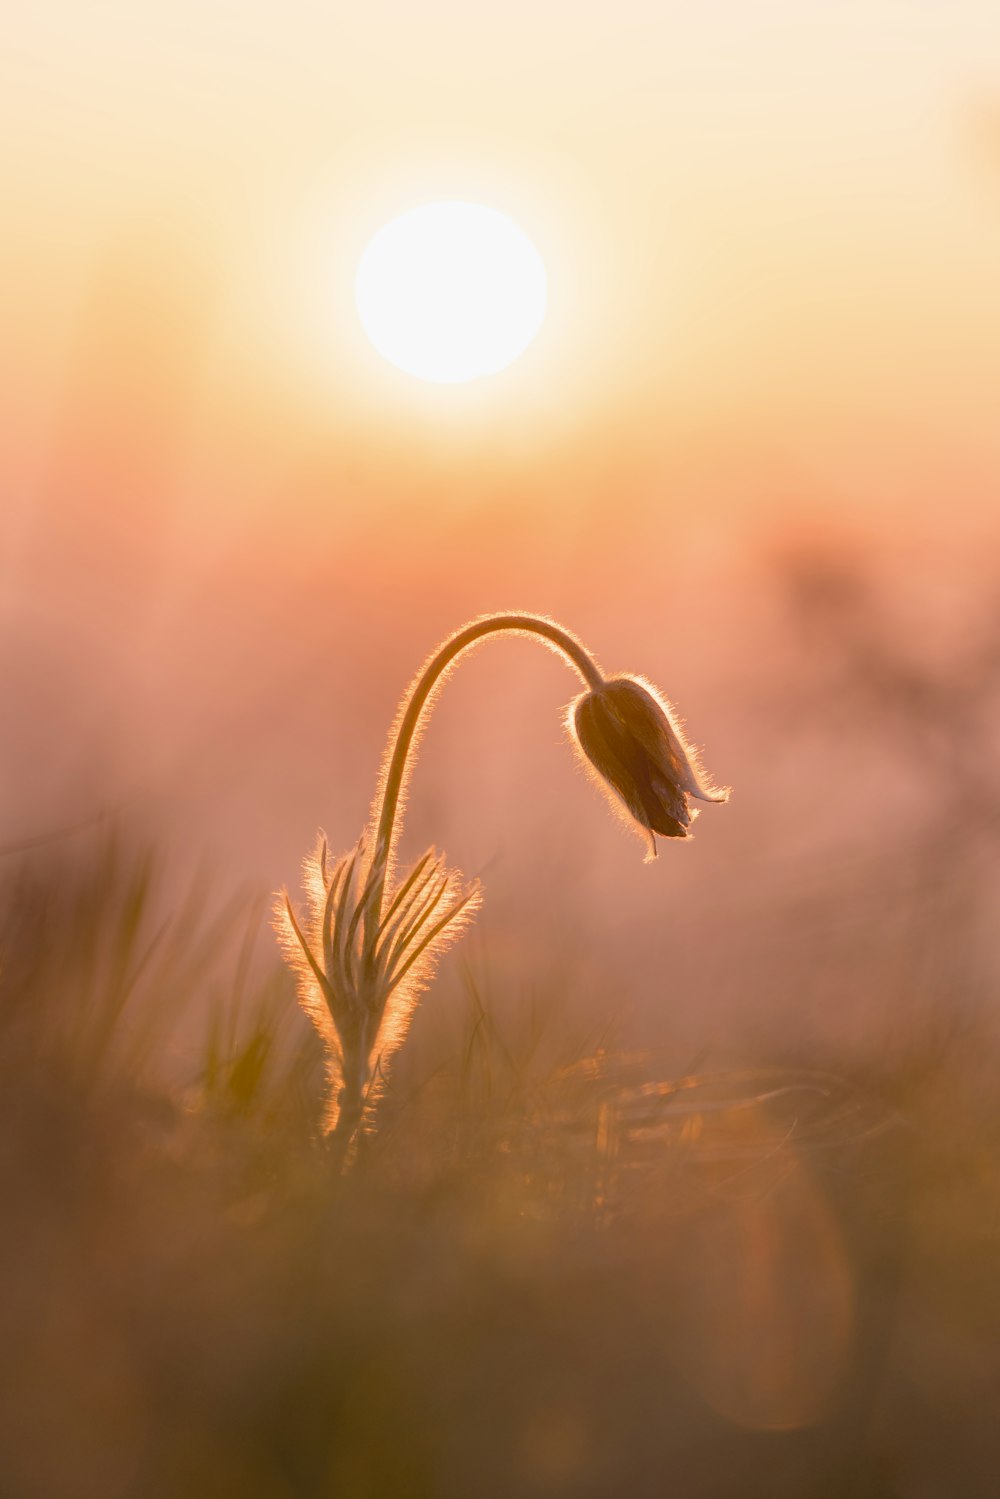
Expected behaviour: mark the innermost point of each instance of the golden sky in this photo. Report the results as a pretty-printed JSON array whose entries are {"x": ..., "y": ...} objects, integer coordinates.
[{"x": 756, "y": 216}]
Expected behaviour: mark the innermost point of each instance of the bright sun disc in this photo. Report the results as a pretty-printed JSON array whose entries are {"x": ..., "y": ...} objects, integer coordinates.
[{"x": 451, "y": 291}]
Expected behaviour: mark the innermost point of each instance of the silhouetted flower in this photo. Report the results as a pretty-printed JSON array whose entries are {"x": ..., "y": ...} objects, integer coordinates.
[
  {"x": 368, "y": 942},
  {"x": 633, "y": 742}
]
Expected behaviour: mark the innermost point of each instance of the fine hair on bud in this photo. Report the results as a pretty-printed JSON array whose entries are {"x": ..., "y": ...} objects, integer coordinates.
[{"x": 633, "y": 744}]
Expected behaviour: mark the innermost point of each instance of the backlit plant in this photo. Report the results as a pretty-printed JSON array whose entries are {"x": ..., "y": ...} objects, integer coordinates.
[{"x": 369, "y": 941}]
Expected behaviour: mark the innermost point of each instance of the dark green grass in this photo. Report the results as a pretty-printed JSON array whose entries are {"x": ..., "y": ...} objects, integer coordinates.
[{"x": 556, "y": 1270}]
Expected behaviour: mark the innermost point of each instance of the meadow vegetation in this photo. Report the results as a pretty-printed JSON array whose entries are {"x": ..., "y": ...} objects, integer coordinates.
[{"x": 559, "y": 1267}]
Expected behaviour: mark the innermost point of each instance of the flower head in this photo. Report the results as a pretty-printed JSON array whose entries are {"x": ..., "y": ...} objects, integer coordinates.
[{"x": 631, "y": 739}]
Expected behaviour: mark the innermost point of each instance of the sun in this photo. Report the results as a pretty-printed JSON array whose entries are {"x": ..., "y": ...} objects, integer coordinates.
[{"x": 451, "y": 291}]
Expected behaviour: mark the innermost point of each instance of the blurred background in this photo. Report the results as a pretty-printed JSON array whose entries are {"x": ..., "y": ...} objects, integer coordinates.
[
  {"x": 754, "y": 455},
  {"x": 758, "y": 428}
]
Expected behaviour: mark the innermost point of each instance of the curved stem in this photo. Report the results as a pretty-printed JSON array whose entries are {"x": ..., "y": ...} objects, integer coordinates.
[{"x": 395, "y": 775}]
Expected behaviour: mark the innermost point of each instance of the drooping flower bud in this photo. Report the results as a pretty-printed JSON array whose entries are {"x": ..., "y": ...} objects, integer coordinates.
[{"x": 631, "y": 739}]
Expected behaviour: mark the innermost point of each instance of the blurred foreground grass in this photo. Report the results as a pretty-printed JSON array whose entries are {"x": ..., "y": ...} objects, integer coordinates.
[{"x": 557, "y": 1272}]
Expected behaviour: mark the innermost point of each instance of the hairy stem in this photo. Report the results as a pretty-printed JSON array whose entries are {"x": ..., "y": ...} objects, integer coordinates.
[
  {"x": 353, "y": 1091},
  {"x": 394, "y": 783}
]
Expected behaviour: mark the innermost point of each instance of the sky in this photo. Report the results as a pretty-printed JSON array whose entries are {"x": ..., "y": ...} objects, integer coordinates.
[{"x": 767, "y": 215}]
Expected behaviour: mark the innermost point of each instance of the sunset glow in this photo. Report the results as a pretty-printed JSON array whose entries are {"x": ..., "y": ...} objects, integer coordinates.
[{"x": 451, "y": 291}]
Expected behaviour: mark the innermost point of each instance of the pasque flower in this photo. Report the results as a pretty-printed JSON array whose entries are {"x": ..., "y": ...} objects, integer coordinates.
[
  {"x": 369, "y": 940},
  {"x": 632, "y": 741}
]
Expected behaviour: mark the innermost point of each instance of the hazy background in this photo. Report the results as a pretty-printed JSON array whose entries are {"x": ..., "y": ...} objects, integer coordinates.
[
  {"x": 754, "y": 455},
  {"x": 750, "y": 1248}
]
